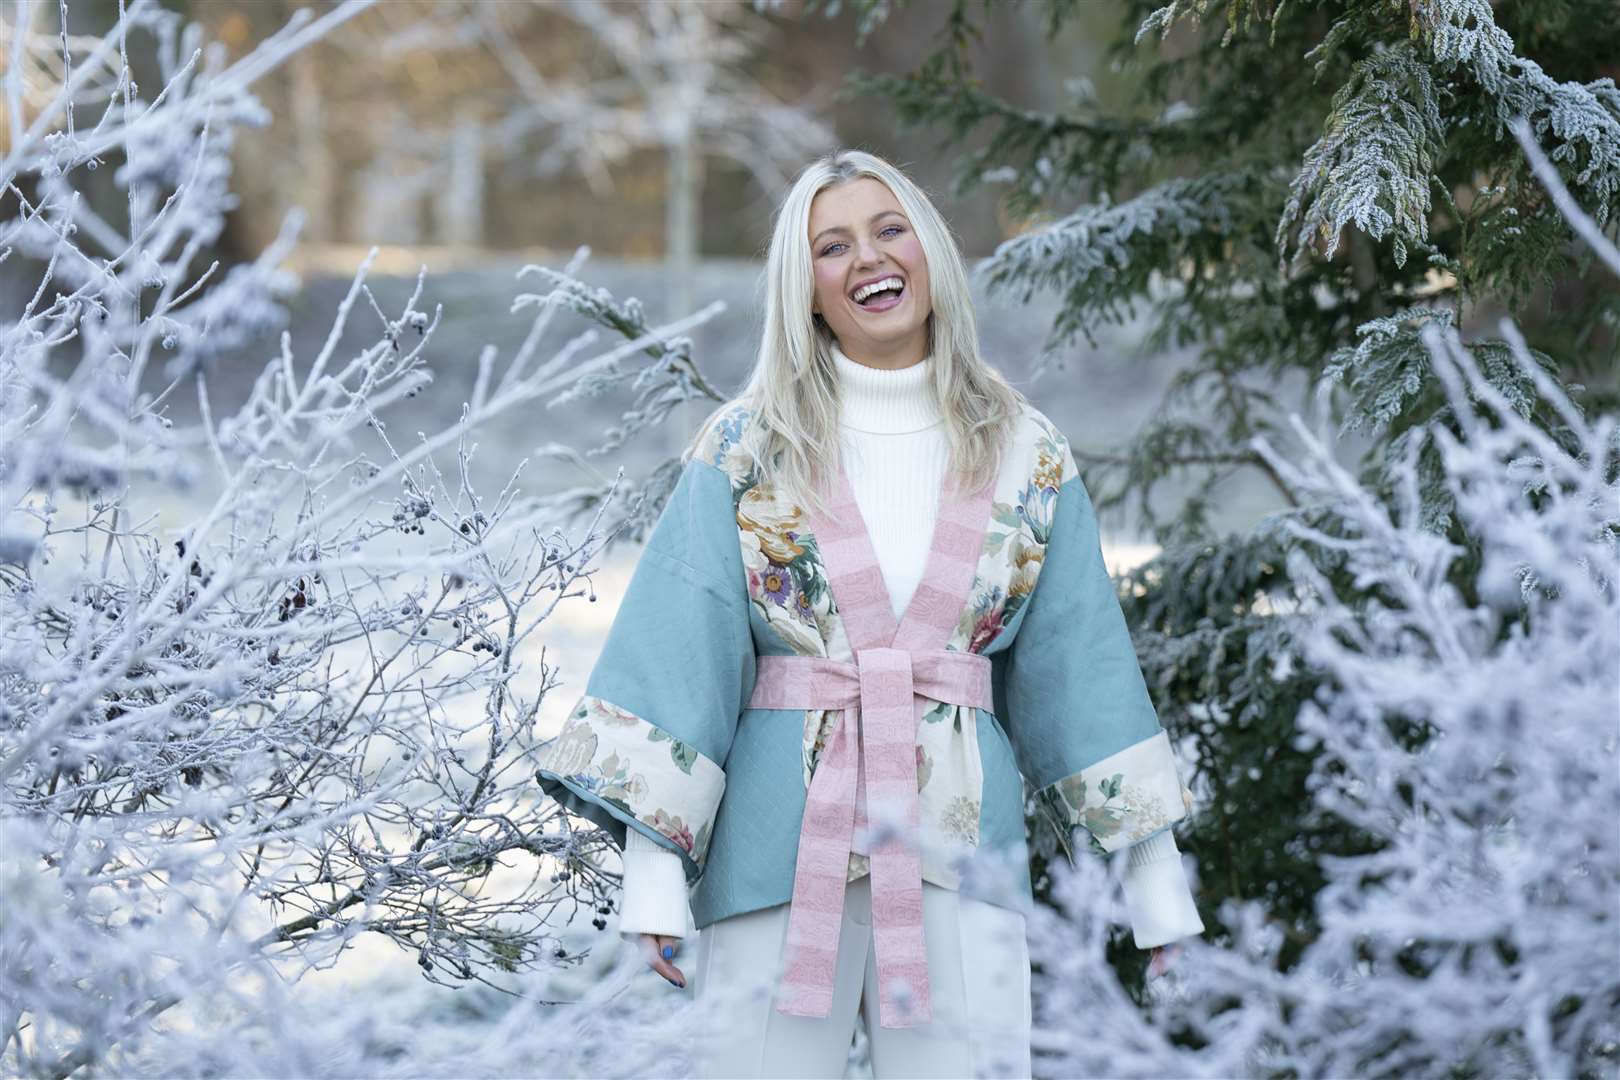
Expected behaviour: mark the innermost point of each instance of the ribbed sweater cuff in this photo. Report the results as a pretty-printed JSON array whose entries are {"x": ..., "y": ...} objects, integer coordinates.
[
  {"x": 1157, "y": 894},
  {"x": 654, "y": 900}
]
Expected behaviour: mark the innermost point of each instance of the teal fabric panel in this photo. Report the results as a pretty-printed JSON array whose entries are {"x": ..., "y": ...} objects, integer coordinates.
[
  {"x": 755, "y": 847},
  {"x": 1001, "y": 805},
  {"x": 1071, "y": 685},
  {"x": 1001, "y": 808},
  {"x": 679, "y": 653}
]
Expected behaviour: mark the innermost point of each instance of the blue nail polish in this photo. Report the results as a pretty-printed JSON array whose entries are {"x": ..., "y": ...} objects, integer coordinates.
[{"x": 669, "y": 951}]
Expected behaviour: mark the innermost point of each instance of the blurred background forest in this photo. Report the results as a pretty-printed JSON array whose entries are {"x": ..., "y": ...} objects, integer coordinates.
[
  {"x": 470, "y": 138},
  {"x": 441, "y": 125}
]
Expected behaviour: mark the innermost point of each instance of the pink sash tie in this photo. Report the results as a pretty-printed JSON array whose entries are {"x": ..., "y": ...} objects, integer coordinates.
[{"x": 882, "y": 695}]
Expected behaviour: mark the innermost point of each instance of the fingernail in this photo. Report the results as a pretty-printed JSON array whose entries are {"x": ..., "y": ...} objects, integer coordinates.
[{"x": 669, "y": 951}]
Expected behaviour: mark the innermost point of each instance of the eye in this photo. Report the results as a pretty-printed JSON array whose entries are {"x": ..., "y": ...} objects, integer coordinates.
[{"x": 898, "y": 229}]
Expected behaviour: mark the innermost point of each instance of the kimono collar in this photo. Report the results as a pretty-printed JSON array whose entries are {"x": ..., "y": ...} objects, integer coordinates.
[{"x": 884, "y": 401}]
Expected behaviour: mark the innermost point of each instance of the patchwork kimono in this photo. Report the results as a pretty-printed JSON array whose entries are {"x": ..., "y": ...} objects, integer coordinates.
[{"x": 758, "y": 710}]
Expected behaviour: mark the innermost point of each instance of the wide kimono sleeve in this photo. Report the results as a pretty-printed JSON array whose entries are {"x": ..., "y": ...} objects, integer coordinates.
[
  {"x": 644, "y": 747},
  {"x": 1083, "y": 727}
]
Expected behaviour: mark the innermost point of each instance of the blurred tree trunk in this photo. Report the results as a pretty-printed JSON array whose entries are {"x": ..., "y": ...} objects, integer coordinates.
[
  {"x": 459, "y": 204},
  {"x": 682, "y": 228},
  {"x": 311, "y": 186}
]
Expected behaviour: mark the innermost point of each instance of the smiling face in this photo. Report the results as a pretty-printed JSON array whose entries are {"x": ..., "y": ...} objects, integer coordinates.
[{"x": 871, "y": 274}]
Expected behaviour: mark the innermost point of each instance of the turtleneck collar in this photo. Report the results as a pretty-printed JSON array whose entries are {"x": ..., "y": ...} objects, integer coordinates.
[{"x": 885, "y": 401}]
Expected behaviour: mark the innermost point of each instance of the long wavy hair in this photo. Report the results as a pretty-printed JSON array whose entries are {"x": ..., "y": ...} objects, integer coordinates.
[{"x": 791, "y": 437}]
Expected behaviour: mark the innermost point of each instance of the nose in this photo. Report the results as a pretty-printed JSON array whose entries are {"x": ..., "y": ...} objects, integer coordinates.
[{"x": 866, "y": 251}]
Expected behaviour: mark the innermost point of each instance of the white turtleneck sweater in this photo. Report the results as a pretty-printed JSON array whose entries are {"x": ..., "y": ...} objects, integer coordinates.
[{"x": 895, "y": 454}]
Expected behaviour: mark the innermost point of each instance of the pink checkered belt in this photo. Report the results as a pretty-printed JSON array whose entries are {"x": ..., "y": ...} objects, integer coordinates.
[
  {"x": 885, "y": 690},
  {"x": 896, "y": 672}
]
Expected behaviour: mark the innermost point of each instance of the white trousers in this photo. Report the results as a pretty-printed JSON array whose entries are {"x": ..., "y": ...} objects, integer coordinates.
[{"x": 978, "y": 979}]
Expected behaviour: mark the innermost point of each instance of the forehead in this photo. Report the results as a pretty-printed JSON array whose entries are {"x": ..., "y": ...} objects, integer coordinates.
[{"x": 850, "y": 204}]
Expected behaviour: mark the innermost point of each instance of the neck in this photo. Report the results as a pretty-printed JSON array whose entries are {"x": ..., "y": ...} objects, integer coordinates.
[
  {"x": 900, "y": 354},
  {"x": 888, "y": 401}
]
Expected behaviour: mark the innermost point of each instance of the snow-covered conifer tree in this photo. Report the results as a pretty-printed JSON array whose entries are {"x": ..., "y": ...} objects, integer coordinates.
[{"x": 1465, "y": 719}]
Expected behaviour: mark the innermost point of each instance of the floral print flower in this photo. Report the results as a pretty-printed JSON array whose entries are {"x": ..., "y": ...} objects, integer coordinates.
[
  {"x": 1026, "y": 562},
  {"x": 776, "y": 583},
  {"x": 572, "y": 751},
  {"x": 1048, "y": 474},
  {"x": 773, "y": 521},
  {"x": 986, "y": 627},
  {"x": 961, "y": 819},
  {"x": 672, "y": 827},
  {"x": 605, "y": 712},
  {"x": 728, "y": 430}
]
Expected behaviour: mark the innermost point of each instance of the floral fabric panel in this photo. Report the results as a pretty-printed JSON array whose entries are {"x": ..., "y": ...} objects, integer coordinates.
[
  {"x": 1015, "y": 542},
  {"x": 641, "y": 769},
  {"x": 1120, "y": 799},
  {"x": 950, "y": 780}
]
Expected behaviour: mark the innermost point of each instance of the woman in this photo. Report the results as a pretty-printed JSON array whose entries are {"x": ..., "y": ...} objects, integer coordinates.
[{"x": 874, "y": 606}]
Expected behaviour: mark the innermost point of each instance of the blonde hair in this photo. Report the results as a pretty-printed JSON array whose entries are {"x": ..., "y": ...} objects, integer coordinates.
[{"x": 791, "y": 436}]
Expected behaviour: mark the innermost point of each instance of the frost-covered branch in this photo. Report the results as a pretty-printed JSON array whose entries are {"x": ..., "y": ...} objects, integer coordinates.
[
  {"x": 269, "y": 671},
  {"x": 1098, "y": 259},
  {"x": 1471, "y": 734}
]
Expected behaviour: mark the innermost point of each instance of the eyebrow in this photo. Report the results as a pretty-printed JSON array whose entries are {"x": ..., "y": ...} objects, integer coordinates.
[{"x": 840, "y": 229}]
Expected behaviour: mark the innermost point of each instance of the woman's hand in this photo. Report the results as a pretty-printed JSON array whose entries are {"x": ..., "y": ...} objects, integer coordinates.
[
  {"x": 657, "y": 950},
  {"x": 1163, "y": 956}
]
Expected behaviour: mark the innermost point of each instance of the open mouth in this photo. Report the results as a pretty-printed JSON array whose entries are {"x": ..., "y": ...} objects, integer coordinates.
[{"x": 880, "y": 295}]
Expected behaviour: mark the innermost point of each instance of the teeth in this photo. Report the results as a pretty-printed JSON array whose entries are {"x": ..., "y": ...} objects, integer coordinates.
[{"x": 864, "y": 291}]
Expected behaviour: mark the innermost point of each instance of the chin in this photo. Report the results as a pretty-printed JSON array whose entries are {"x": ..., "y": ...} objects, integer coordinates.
[{"x": 885, "y": 331}]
